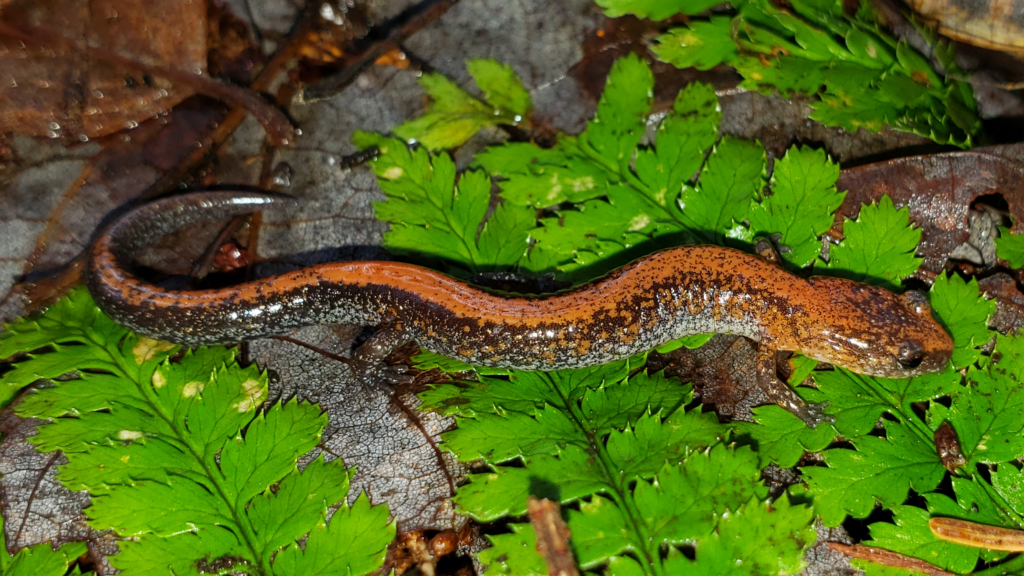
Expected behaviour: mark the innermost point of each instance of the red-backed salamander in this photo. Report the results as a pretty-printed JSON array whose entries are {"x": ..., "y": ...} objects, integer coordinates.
[{"x": 656, "y": 299}]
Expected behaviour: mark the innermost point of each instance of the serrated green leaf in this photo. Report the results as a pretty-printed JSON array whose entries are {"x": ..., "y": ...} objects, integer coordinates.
[
  {"x": 572, "y": 434},
  {"x": 620, "y": 208},
  {"x": 783, "y": 438},
  {"x": 600, "y": 531},
  {"x": 454, "y": 116},
  {"x": 513, "y": 554},
  {"x": 689, "y": 129},
  {"x": 612, "y": 136},
  {"x": 880, "y": 470},
  {"x": 964, "y": 313},
  {"x": 857, "y": 402},
  {"x": 654, "y": 9},
  {"x": 863, "y": 257},
  {"x": 988, "y": 414},
  {"x": 733, "y": 175},
  {"x": 801, "y": 205},
  {"x": 868, "y": 81},
  {"x": 1010, "y": 247},
  {"x": 435, "y": 219},
  {"x": 501, "y": 86},
  {"x": 703, "y": 44},
  {"x": 681, "y": 506},
  {"x": 354, "y": 541},
  {"x": 181, "y": 457},
  {"x": 452, "y": 119},
  {"x": 758, "y": 539}
]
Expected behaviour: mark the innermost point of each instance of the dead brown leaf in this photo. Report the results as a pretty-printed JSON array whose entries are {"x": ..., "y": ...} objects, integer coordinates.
[{"x": 59, "y": 91}]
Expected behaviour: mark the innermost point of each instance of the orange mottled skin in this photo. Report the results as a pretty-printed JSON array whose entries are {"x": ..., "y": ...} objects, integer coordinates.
[{"x": 662, "y": 297}]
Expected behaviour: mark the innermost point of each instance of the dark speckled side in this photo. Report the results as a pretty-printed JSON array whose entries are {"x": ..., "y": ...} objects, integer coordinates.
[{"x": 661, "y": 297}]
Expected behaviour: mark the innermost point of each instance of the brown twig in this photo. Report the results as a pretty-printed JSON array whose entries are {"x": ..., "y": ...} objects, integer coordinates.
[
  {"x": 277, "y": 65},
  {"x": 888, "y": 558},
  {"x": 977, "y": 535},
  {"x": 552, "y": 536},
  {"x": 425, "y": 13}
]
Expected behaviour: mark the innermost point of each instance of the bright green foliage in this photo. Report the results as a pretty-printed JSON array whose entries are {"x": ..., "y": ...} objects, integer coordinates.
[
  {"x": 622, "y": 211},
  {"x": 612, "y": 135},
  {"x": 698, "y": 501},
  {"x": 878, "y": 248},
  {"x": 454, "y": 116},
  {"x": 513, "y": 554},
  {"x": 501, "y": 86},
  {"x": 964, "y": 313},
  {"x": 783, "y": 438},
  {"x": 70, "y": 321},
  {"x": 879, "y": 470},
  {"x": 38, "y": 560},
  {"x": 437, "y": 221},
  {"x": 587, "y": 435},
  {"x": 654, "y": 9},
  {"x": 730, "y": 180},
  {"x": 616, "y": 208},
  {"x": 801, "y": 205},
  {"x": 758, "y": 539},
  {"x": 988, "y": 414},
  {"x": 160, "y": 447},
  {"x": 703, "y": 44},
  {"x": 864, "y": 77},
  {"x": 1010, "y": 247}
]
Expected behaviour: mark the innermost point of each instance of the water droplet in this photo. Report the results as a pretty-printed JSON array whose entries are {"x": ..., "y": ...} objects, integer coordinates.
[
  {"x": 97, "y": 94},
  {"x": 331, "y": 160},
  {"x": 51, "y": 134},
  {"x": 328, "y": 13},
  {"x": 83, "y": 138},
  {"x": 54, "y": 126},
  {"x": 282, "y": 175},
  {"x": 517, "y": 118},
  {"x": 91, "y": 111},
  {"x": 131, "y": 124},
  {"x": 14, "y": 83}
]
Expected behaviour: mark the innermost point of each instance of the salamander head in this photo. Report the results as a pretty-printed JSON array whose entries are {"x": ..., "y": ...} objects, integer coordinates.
[{"x": 871, "y": 331}]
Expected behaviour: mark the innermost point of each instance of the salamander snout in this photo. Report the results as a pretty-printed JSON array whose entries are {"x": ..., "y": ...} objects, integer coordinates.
[
  {"x": 910, "y": 354},
  {"x": 874, "y": 332}
]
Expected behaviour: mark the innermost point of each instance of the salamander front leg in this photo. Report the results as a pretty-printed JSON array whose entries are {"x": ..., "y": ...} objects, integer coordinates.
[
  {"x": 780, "y": 393},
  {"x": 367, "y": 361}
]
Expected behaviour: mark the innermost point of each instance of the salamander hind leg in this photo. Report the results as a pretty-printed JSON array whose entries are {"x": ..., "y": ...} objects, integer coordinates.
[
  {"x": 367, "y": 362},
  {"x": 780, "y": 393}
]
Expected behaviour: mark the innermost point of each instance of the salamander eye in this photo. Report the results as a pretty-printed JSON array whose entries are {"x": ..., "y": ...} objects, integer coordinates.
[
  {"x": 915, "y": 300},
  {"x": 910, "y": 354}
]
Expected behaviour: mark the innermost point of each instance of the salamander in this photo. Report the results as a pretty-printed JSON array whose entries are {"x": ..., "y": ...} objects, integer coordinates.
[{"x": 664, "y": 296}]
